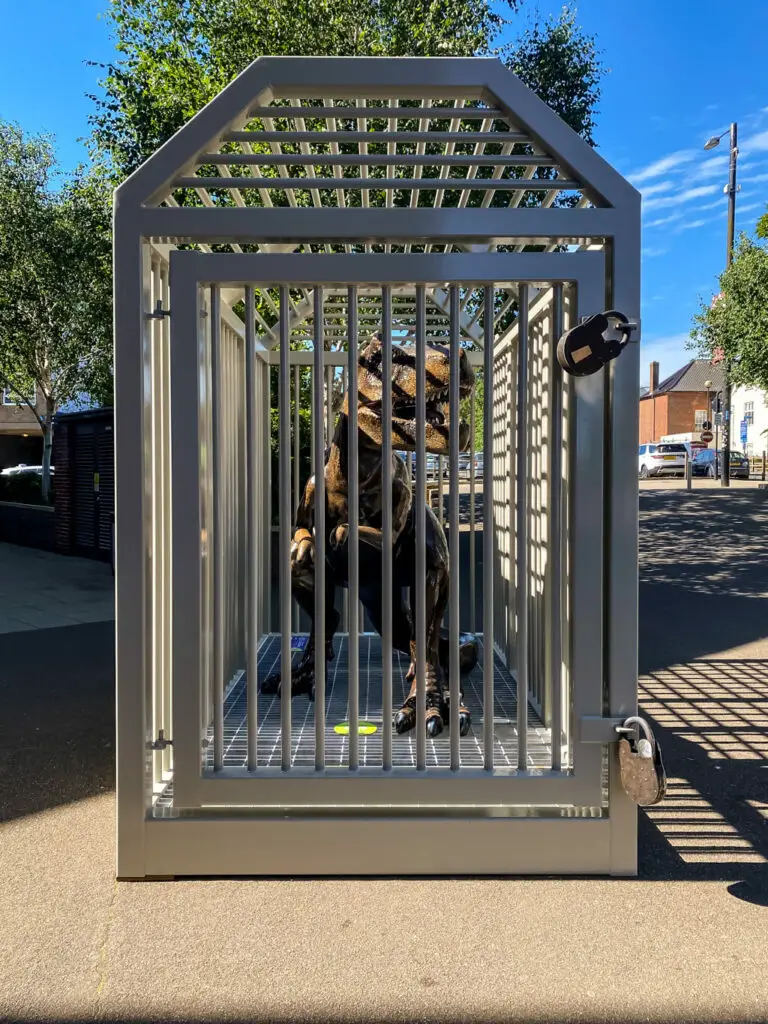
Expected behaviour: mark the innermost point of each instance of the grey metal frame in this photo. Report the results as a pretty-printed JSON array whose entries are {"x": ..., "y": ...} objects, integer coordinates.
[
  {"x": 195, "y": 787},
  {"x": 150, "y": 647}
]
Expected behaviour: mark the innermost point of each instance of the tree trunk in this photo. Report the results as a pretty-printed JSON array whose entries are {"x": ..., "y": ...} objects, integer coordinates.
[{"x": 47, "y": 449}]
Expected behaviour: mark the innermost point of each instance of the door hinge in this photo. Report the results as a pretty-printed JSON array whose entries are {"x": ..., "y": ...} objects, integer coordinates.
[
  {"x": 160, "y": 743},
  {"x": 158, "y": 312}
]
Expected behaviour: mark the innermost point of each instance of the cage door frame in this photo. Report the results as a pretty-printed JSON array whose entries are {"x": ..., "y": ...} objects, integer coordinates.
[{"x": 196, "y": 787}]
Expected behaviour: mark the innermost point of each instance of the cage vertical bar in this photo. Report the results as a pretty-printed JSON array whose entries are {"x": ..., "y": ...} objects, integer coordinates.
[
  {"x": 522, "y": 529},
  {"x": 353, "y": 536},
  {"x": 455, "y": 537},
  {"x": 318, "y": 377},
  {"x": 488, "y": 527},
  {"x": 252, "y": 528},
  {"x": 554, "y": 618},
  {"x": 285, "y": 531},
  {"x": 421, "y": 531},
  {"x": 219, "y": 527},
  {"x": 386, "y": 525}
]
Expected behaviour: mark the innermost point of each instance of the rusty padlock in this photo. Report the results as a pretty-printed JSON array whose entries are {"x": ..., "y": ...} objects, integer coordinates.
[{"x": 641, "y": 765}]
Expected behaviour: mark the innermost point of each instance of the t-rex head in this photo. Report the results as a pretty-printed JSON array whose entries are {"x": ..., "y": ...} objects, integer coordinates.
[{"x": 437, "y": 376}]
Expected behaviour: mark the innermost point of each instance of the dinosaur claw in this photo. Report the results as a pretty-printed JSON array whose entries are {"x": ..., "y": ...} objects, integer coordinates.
[
  {"x": 434, "y": 725},
  {"x": 405, "y": 720}
]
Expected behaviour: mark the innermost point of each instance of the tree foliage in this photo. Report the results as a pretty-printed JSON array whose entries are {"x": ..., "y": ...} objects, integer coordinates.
[
  {"x": 176, "y": 55},
  {"x": 737, "y": 322},
  {"x": 55, "y": 280}
]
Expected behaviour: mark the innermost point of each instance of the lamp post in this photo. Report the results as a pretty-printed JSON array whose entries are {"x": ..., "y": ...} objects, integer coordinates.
[
  {"x": 712, "y": 417},
  {"x": 725, "y": 479}
]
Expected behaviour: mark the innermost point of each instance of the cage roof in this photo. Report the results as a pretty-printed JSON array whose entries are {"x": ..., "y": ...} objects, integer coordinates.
[{"x": 365, "y": 132}]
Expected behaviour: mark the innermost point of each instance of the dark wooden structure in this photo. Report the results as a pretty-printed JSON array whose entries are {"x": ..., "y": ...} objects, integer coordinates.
[{"x": 83, "y": 454}]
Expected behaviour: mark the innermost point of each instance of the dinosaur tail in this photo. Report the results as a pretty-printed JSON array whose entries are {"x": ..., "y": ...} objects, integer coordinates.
[{"x": 468, "y": 651}]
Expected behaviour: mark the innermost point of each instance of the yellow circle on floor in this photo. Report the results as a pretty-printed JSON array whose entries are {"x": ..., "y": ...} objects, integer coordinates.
[{"x": 363, "y": 728}]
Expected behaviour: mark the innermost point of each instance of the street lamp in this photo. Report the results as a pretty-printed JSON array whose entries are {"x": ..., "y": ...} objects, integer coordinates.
[{"x": 712, "y": 143}]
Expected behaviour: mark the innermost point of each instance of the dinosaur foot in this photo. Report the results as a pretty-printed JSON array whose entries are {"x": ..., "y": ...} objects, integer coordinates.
[
  {"x": 465, "y": 716},
  {"x": 405, "y": 719},
  {"x": 302, "y": 681}
]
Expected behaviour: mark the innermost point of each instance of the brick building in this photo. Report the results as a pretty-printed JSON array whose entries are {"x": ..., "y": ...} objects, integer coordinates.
[
  {"x": 681, "y": 403},
  {"x": 21, "y": 439}
]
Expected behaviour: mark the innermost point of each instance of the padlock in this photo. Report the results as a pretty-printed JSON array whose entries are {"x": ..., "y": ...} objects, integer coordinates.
[
  {"x": 583, "y": 350},
  {"x": 641, "y": 765}
]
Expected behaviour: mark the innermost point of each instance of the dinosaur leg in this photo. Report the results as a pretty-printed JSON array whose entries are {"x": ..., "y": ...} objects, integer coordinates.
[
  {"x": 303, "y": 674},
  {"x": 436, "y": 600}
]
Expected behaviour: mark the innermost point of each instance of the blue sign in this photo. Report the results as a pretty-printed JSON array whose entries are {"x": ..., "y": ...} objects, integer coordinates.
[
  {"x": 299, "y": 643},
  {"x": 743, "y": 426}
]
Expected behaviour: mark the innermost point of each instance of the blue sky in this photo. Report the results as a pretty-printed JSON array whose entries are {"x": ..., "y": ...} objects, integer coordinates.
[{"x": 679, "y": 72}]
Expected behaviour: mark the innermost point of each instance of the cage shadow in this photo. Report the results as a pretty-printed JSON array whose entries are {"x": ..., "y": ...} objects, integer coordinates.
[
  {"x": 57, "y": 691},
  {"x": 711, "y": 718}
]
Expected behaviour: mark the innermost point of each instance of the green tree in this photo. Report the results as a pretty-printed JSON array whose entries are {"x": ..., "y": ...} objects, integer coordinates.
[
  {"x": 736, "y": 323},
  {"x": 55, "y": 281},
  {"x": 175, "y": 55}
]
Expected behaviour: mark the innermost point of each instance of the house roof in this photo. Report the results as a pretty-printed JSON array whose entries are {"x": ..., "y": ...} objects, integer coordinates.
[{"x": 691, "y": 377}]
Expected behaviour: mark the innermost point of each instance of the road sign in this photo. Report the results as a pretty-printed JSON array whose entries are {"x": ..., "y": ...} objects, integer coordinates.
[
  {"x": 706, "y": 425},
  {"x": 743, "y": 426},
  {"x": 706, "y": 436}
]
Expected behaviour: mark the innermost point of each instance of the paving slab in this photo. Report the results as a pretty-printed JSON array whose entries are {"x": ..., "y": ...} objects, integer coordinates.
[{"x": 42, "y": 590}]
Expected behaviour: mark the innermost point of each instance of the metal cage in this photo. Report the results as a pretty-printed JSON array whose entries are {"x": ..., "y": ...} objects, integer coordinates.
[{"x": 310, "y": 204}]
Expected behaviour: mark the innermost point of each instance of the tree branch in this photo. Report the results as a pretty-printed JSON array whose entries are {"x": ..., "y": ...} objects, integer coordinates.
[{"x": 8, "y": 383}]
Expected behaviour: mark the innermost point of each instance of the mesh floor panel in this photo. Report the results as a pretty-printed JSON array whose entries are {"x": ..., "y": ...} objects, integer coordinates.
[{"x": 337, "y": 711}]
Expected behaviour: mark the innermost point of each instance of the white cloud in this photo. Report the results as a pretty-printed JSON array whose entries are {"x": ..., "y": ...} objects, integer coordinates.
[
  {"x": 754, "y": 178},
  {"x": 755, "y": 143},
  {"x": 650, "y": 252},
  {"x": 682, "y": 197},
  {"x": 692, "y": 224},
  {"x": 660, "y": 186},
  {"x": 668, "y": 351},
  {"x": 710, "y": 206},
  {"x": 663, "y": 220},
  {"x": 659, "y": 167},
  {"x": 714, "y": 167},
  {"x": 748, "y": 207}
]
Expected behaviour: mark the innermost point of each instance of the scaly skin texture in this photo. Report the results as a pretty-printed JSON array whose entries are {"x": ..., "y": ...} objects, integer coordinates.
[{"x": 370, "y": 470}]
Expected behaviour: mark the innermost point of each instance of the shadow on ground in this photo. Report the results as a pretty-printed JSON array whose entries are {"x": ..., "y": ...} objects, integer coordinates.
[
  {"x": 704, "y": 591},
  {"x": 57, "y": 728}
]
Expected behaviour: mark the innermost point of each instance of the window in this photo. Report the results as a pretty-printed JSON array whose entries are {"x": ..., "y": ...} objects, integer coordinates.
[
  {"x": 700, "y": 418},
  {"x": 749, "y": 412},
  {"x": 11, "y": 398}
]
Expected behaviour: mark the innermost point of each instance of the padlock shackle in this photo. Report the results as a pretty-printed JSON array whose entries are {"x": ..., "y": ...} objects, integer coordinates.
[{"x": 641, "y": 725}]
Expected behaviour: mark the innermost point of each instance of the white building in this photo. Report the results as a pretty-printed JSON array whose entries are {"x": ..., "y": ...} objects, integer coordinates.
[{"x": 749, "y": 411}]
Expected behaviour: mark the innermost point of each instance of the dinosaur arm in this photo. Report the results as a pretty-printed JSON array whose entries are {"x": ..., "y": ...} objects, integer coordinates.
[{"x": 372, "y": 535}]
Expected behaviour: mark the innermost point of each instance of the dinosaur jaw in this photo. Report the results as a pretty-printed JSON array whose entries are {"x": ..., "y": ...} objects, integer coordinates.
[{"x": 437, "y": 427}]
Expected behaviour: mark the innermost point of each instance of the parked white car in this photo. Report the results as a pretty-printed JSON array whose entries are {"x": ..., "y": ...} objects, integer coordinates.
[{"x": 666, "y": 458}]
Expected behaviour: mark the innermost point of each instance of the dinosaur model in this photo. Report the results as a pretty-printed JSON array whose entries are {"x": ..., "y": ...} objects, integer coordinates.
[{"x": 437, "y": 377}]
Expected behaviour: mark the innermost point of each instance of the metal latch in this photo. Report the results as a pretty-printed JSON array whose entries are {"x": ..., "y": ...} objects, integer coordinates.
[
  {"x": 597, "y": 729},
  {"x": 160, "y": 743},
  {"x": 158, "y": 313}
]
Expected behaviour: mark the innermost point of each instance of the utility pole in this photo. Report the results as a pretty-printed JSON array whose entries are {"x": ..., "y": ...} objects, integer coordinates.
[{"x": 725, "y": 479}]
